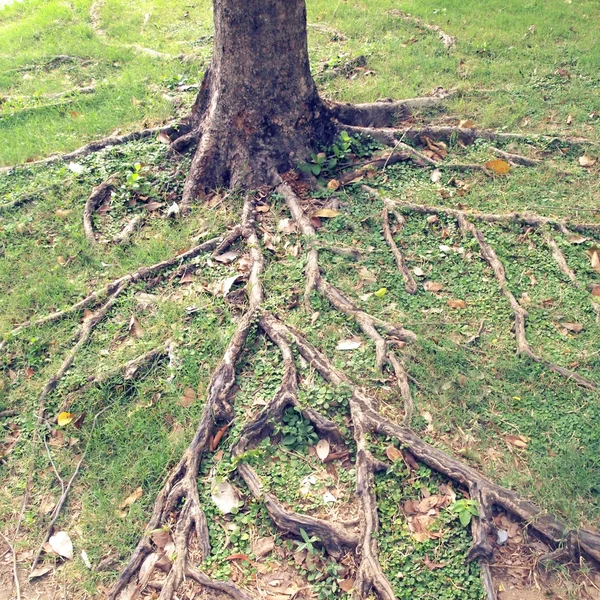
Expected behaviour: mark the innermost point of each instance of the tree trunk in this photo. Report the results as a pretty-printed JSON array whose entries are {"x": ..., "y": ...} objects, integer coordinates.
[{"x": 258, "y": 110}]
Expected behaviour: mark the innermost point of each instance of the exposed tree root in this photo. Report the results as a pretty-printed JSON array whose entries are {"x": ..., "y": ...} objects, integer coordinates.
[
  {"x": 13, "y": 552},
  {"x": 181, "y": 485},
  {"x": 315, "y": 281},
  {"x": 519, "y": 313},
  {"x": 82, "y": 90},
  {"x": 563, "y": 227},
  {"x": 516, "y": 159},
  {"x": 124, "y": 236},
  {"x": 130, "y": 370},
  {"x": 561, "y": 261},
  {"x": 99, "y": 195},
  {"x": 385, "y": 113},
  {"x": 96, "y": 146},
  {"x": 142, "y": 274},
  {"x": 377, "y": 163},
  {"x": 449, "y": 41},
  {"x": 409, "y": 281},
  {"x": 490, "y": 256},
  {"x": 22, "y": 200},
  {"x": 465, "y": 135}
]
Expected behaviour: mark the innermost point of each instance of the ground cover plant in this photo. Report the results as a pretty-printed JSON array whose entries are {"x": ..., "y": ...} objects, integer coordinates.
[{"x": 354, "y": 357}]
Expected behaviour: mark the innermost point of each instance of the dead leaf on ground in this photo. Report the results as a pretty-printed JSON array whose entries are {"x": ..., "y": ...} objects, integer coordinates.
[
  {"x": 39, "y": 572},
  {"x": 393, "y": 453},
  {"x": 61, "y": 544},
  {"x": 287, "y": 226},
  {"x": 594, "y": 254},
  {"x": 223, "y": 288},
  {"x": 596, "y": 291},
  {"x": 572, "y": 327},
  {"x": 226, "y": 498},
  {"x": 435, "y": 176},
  {"x": 226, "y": 257},
  {"x": 346, "y": 585},
  {"x": 327, "y": 213},
  {"x": 263, "y": 546},
  {"x": 587, "y": 161},
  {"x": 577, "y": 239},
  {"x": 64, "y": 418},
  {"x": 163, "y": 138},
  {"x": 135, "y": 329},
  {"x": 136, "y": 495},
  {"x": 152, "y": 206},
  {"x": 348, "y": 345},
  {"x": 456, "y": 304},
  {"x": 432, "y": 566},
  {"x": 188, "y": 398},
  {"x": 59, "y": 212},
  {"x": 518, "y": 441},
  {"x": 322, "y": 449},
  {"x": 500, "y": 167},
  {"x": 467, "y": 124},
  {"x": 433, "y": 286},
  {"x": 334, "y": 184}
]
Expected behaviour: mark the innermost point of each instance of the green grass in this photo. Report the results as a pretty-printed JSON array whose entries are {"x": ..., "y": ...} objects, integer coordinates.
[{"x": 477, "y": 394}]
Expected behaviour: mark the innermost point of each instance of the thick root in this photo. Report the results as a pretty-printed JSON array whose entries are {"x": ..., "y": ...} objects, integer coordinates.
[{"x": 99, "y": 195}]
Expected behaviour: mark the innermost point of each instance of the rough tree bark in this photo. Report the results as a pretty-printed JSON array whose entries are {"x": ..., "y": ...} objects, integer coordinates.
[{"x": 258, "y": 109}]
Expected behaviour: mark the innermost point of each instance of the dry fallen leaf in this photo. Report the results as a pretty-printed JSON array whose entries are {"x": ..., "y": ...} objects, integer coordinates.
[
  {"x": 59, "y": 212},
  {"x": 226, "y": 257},
  {"x": 136, "y": 495},
  {"x": 61, "y": 544},
  {"x": 456, "y": 304},
  {"x": 163, "y": 138},
  {"x": 287, "y": 226},
  {"x": 500, "y": 167},
  {"x": 573, "y": 327},
  {"x": 596, "y": 291},
  {"x": 594, "y": 254},
  {"x": 327, "y": 213},
  {"x": 64, "y": 418},
  {"x": 188, "y": 398},
  {"x": 467, "y": 124},
  {"x": 322, "y": 449},
  {"x": 346, "y": 585},
  {"x": 577, "y": 239},
  {"x": 263, "y": 546},
  {"x": 226, "y": 497},
  {"x": 152, "y": 206},
  {"x": 348, "y": 345},
  {"x": 135, "y": 329},
  {"x": 39, "y": 572},
  {"x": 334, "y": 184},
  {"x": 518, "y": 441},
  {"x": 393, "y": 453},
  {"x": 435, "y": 176},
  {"x": 433, "y": 286},
  {"x": 431, "y": 565},
  {"x": 587, "y": 161}
]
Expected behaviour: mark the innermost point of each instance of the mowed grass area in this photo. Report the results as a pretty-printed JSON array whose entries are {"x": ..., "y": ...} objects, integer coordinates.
[
  {"x": 529, "y": 66},
  {"x": 469, "y": 395}
]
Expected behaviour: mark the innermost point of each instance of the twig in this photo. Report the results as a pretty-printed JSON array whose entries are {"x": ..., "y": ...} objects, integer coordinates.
[
  {"x": 14, "y": 562},
  {"x": 65, "y": 489}
]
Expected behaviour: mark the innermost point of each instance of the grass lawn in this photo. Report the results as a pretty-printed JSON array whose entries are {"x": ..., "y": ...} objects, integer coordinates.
[{"x": 530, "y": 67}]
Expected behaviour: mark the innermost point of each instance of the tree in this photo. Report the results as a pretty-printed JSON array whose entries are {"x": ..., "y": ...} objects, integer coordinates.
[
  {"x": 257, "y": 115},
  {"x": 258, "y": 111}
]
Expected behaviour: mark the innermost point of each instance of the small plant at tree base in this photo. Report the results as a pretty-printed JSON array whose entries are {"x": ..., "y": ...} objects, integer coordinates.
[
  {"x": 466, "y": 510},
  {"x": 308, "y": 544}
]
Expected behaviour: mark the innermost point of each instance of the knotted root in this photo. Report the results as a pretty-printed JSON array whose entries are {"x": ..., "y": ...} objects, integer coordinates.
[{"x": 181, "y": 488}]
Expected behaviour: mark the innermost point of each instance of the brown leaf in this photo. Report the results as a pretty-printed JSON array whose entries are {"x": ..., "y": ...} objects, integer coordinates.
[
  {"x": 135, "y": 329},
  {"x": 433, "y": 286},
  {"x": 226, "y": 257},
  {"x": 594, "y": 254},
  {"x": 39, "y": 572},
  {"x": 161, "y": 538},
  {"x": 431, "y": 565},
  {"x": 577, "y": 239},
  {"x": 238, "y": 556},
  {"x": 61, "y": 260},
  {"x": 263, "y": 546},
  {"x": 59, "y": 212},
  {"x": 596, "y": 291},
  {"x": 263, "y": 208},
  {"x": 393, "y": 453},
  {"x": 573, "y": 327},
  {"x": 163, "y": 138},
  {"x": 136, "y": 495},
  {"x": 346, "y": 585},
  {"x": 334, "y": 184},
  {"x": 188, "y": 398},
  {"x": 467, "y": 124},
  {"x": 518, "y": 441},
  {"x": 456, "y": 303},
  {"x": 587, "y": 161},
  {"x": 152, "y": 206},
  {"x": 500, "y": 167}
]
